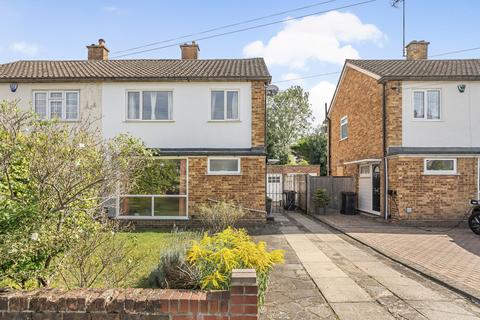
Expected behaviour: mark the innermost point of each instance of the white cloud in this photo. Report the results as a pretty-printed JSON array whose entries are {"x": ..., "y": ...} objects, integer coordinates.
[
  {"x": 21, "y": 47},
  {"x": 319, "y": 94},
  {"x": 292, "y": 79},
  {"x": 326, "y": 38}
]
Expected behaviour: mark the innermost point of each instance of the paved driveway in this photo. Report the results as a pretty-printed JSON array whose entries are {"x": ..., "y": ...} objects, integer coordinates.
[
  {"x": 450, "y": 255},
  {"x": 330, "y": 276}
]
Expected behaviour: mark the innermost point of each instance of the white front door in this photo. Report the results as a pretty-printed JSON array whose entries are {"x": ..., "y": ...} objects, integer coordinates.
[
  {"x": 274, "y": 186},
  {"x": 365, "y": 189}
]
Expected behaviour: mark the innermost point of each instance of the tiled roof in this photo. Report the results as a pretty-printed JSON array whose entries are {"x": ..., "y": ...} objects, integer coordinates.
[
  {"x": 468, "y": 69},
  {"x": 201, "y": 69}
]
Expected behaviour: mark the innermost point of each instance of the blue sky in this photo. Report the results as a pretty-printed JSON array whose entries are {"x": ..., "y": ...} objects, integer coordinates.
[{"x": 302, "y": 47}]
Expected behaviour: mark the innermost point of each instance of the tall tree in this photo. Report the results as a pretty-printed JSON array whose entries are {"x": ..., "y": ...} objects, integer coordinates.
[
  {"x": 313, "y": 149},
  {"x": 289, "y": 118}
]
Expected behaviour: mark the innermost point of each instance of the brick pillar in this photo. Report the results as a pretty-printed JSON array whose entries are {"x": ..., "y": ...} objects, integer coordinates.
[{"x": 244, "y": 295}]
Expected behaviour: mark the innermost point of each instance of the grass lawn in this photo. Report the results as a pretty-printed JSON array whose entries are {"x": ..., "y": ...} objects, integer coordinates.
[
  {"x": 151, "y": 244},
  {"x": 146, "y": 255}
]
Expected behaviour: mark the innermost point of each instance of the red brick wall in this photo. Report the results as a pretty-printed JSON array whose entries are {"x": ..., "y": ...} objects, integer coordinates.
[
  {"x": 286, "y": 169},
  {"x": 258, "y": 114},
  {"x": 240, "y": 303}
]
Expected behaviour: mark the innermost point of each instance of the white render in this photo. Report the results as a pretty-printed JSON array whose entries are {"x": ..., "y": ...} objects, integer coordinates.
[
  {"x": 459, "y": 125},
  {"x": 190, "y": 126},
  {"x": 90, "y": 96}
]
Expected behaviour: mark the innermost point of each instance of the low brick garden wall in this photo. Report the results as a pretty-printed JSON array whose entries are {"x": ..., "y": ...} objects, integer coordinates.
[{"x": 239, "y": 303}]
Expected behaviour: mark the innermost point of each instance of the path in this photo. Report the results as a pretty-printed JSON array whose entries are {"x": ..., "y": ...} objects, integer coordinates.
[{"x": 328, "y": 276}]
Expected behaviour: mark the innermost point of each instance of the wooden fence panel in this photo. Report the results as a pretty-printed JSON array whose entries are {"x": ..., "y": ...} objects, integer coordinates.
[{"x": 334, "y": 185}]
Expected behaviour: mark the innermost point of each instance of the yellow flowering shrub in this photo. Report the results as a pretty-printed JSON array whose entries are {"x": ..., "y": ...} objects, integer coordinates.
[{"x": 216, "y": 256}]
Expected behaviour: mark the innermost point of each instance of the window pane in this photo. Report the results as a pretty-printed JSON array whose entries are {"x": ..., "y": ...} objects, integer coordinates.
[
  {"x": 133, "y": 105},
  {"x": 433, "y": 110},
  {"x": 40, "y": 104},
  {"x": 56, "y": 95},
  {"x": 170, "y": 207},
  {"x": 440, "y": 165},
  {"x": 227, "y": 165},
  {"x": 344, "y": 130},
  {"x": 161, "y": 177},
  {"x": 218, "y": 105},
  {"x": 71, "y": 105},
  {"x": 232, "y": 105},
  {"x": 56, "y": 109},
  {"x": 418, "y": 104},
  {"x": 149, "y": 100},
  {"x": 162, "y": 105},
  {"x": 136, "y": 206}
]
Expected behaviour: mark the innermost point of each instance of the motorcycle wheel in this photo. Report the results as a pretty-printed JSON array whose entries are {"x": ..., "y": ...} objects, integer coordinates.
[{"x": 474, "y": 222}]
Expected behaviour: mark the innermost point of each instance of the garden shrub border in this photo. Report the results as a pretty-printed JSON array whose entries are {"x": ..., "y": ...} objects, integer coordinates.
[{"x": 238, "y": 303}]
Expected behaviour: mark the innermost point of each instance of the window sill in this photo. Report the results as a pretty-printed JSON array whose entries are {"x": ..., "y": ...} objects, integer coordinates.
[
  {"x": 428, "y": 120},
  {"x": 441, "y": 174},
  {"x": 343, "y": 139},
  {"x": 148, "y": 121},
  {"x": 224, "y": 174},
  {"x": 151, "y": 218},
  {"x": 220, "y": 121}
]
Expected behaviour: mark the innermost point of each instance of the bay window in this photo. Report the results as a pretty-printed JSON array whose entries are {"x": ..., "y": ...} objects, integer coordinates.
[
  {"x": 159, "y": 191},
  {"x": 61, "y": 105},
  {"x": 149, "y": 105}
]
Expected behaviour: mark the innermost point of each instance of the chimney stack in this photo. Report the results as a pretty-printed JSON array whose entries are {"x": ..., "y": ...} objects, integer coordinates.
[
  {"x": 417, "y": 50},
  {"x": 98, "y": 51},
  {"x": 190, "y": 51}
]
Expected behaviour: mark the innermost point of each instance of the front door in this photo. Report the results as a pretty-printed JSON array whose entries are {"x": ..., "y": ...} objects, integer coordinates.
[{"x": 376, "y": 187}]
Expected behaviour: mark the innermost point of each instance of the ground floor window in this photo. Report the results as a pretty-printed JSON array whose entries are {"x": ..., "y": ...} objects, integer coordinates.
[
  {"x": 223, "y": 166},
  {"x": 440, "y": 166},
  {"x": 160, "y": 191}
]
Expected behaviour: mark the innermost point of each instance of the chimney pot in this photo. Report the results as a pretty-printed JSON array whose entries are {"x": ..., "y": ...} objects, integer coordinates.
[
  {"x": 190, "y": 51},
  {"x": 417, "y": 50},
  {"x": 98, "y": 51}
]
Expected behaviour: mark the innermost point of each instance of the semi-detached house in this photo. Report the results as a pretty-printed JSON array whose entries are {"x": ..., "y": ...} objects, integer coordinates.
[
  {"x": 409, "y": 132},
  {"x": 205, "y": 120}
]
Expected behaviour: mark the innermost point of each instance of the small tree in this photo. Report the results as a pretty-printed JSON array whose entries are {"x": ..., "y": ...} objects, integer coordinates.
[
  {"x": 54, "y": 180},
  {"x": 321, "y": 198},
  {"x": 217, "y": 216}
]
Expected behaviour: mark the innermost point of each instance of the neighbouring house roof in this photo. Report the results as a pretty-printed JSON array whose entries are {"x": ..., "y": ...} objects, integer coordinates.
[
  {"x": 257, "y": 151},
  {"x": 459, "y": 69},
  {"x": 433, "y": 150},
  {"x": 136, "y": 70}
]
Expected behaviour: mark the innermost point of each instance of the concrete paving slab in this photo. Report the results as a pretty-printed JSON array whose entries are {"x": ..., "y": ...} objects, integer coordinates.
[
  {"x": 341, "y": 290},
  {"x": 361, "y": 310},
  {"x": 409, "y": 289},
  {"x": 376, "y": 269},
  {"x": 435, "y": 310},
  {"x": 324, "y": 270}
]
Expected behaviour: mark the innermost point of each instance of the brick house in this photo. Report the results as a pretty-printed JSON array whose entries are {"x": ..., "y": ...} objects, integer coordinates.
[
  {"x": 409, "y": 132},
  {"x": 204, "y": 118}
]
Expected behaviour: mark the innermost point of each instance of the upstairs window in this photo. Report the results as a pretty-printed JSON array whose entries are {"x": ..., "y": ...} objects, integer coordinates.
[
  {"x": 426, "y": 104},
  {"x": 149, "y": 105},
  {"x": 440, "y": 166},
  {"x": 224, "y": 105},
  {"x": 344, "y": 128},
  {"x": 61, "y": 105}
]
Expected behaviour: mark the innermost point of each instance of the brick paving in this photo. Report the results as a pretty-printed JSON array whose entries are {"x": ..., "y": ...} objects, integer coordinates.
[
  {"x": 327, "y": 275},
  {"x": 452, "y": 256}
]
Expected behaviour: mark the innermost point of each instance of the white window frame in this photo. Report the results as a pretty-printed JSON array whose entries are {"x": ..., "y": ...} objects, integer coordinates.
[
  {"x": 440, "y": 172},
  {"x": 153, "y": 196},
  {"x": 140, "y": 91},
  {"x": 225, "y": 119},
  {"x": 64, "y": 104},
  {"x": 425, "y": 104},
  {"x": 224, "y": 173},
  {"x": 365, "y": 175},
  {"x": 343, "y": 122}
]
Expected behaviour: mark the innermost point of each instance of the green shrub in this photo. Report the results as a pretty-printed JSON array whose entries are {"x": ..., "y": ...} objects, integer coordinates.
[
  {"x": 321, "y": 197},
  {"x": 219, "y": 215},
  {"x": 216, "y": 256}
]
